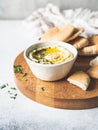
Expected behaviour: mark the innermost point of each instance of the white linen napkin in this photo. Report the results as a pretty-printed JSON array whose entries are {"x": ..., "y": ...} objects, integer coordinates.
[{"x": 44, "y": 18}]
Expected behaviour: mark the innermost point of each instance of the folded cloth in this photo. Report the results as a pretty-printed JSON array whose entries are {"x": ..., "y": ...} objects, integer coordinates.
[{"x": 45, "y": 18}]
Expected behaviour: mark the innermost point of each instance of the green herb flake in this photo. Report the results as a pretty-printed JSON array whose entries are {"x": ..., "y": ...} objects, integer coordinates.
[
  {"x": 7, "y": 84},
  {"x": 43, "y": 88},
  {"x": 12, "y": 91},
  {"x": 8, "y": 91},
  {"x": 13, "y": 97},
  {"x": 2, "y": 86},
  {"x": 13, "y": 88},
  {"x": 17, "y": 69}
]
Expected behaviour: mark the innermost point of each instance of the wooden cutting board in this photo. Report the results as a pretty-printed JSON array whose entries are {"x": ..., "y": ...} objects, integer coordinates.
[{"x": 58, "y": 94}]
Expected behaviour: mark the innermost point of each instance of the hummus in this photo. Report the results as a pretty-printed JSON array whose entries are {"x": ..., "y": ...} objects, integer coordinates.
[{"x": 50, "y": 55}]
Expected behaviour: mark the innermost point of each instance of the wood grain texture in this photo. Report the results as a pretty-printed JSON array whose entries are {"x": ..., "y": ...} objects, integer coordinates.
[{"x": 59, "y": 94}]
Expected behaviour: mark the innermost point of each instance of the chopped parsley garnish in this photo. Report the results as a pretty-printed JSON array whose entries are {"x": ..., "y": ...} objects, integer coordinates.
[
  {"x": 13, "y": 98},
  {"x": 12, "y": 90},
  {"x": 2, "y": 86},
  {"x": 18, "y": 69},
  {"x": 43, "y": 88}
]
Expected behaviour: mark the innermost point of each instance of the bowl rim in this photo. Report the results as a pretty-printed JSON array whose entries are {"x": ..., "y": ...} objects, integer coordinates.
[{"x": 63, "y": 44}]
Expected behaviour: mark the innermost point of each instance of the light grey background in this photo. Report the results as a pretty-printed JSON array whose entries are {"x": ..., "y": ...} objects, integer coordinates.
[{"x": 18, "y": 9}]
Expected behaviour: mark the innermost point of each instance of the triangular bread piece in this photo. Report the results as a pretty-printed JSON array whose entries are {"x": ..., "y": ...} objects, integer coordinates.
[
  {"x": 93, "y": 71},
  {"x": 79, "y": 42},
  {"x": 60, "y": 33},
  {"x": 80, "y": 79},
  {"x": 94, "y": 61},
  {"x": 76, "y": 33},
  {"x": 89, "y": 50}
]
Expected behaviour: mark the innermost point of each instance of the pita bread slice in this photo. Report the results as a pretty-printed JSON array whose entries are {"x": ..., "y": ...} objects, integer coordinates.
[
  {"x": 60, "y": 33},
  {"x": 94, "y": 40},
  {"x": 94, "y": 61},
  {"x": 76, "y": 33},
  {"x": 89, "y": 50},
  {"x": 80, "y": 79},
  {"x": 93, "y": 71},
  {"x": 79, "y": 42}
]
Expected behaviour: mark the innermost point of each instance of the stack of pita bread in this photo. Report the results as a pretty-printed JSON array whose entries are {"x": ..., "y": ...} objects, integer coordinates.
[
  {"x": 85, "y": 46},
  {"x": 69, "y": 33}
]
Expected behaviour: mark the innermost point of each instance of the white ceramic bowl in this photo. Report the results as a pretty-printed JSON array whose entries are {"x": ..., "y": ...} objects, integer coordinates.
[{"x": 50, "y": 72}]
